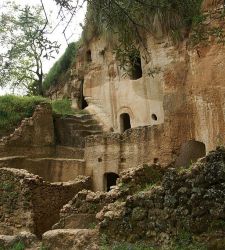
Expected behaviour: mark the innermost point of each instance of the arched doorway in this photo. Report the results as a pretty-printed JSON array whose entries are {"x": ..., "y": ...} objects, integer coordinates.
[
  {"x": 125, "y": 123},
  {"x": 110, "y": 180},
  {"x": 190, "y": 152}
]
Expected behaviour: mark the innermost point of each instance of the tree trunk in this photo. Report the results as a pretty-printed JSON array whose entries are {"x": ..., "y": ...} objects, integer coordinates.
[{"x": 40, "y": 83}]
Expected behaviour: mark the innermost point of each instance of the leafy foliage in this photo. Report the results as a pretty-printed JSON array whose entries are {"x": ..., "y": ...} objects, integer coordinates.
[
  {"x": 25, "y": 44},
  {"x": 61, "y": 66},
  {"x": 131, "y": 19},
  {"x": 14, "y": 108}
]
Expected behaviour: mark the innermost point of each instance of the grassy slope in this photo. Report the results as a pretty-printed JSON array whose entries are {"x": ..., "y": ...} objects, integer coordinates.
[{"x": 13, "y": 109}]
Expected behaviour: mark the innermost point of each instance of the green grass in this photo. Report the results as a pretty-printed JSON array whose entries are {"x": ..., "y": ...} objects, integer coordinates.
[
  {"x": 17, "y": 246},
  {"x": 184, "y": 241},
  {"x": 15, "y": 108},
  {"x": 63, "y": 107}
]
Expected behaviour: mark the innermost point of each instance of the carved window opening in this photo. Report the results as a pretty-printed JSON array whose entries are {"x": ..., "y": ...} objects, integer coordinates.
[
  {"x": 154, "y": 117},
  {"x": 89, "y": 56},
  {"x": 136, "y": 68},
  {"x": 190, "y": 152},
  {"x": 125, "y": 123},
  {"x": 110, "y": 180}
]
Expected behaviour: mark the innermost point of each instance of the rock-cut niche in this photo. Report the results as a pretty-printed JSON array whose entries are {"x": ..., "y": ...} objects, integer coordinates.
[
  {"x": 136, "y": 67},
  {"x": 110, "y": 180},
  {"x": 83, "y": 102},
  {"x": 125, "y": 123},
  {"x": 190, "y": 152},
  {"x": 88, "y": 56}
]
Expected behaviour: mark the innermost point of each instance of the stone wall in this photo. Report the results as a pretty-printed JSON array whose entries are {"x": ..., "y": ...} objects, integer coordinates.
[
  {"x": 50, "y": 169},
  {"x": 112, "y": 152},
  {"x": 30, "y": 204},
  {"x": 81, "y": 211},
  {"x": 187, "y": 201},
  {"x": 34, "y": 137}
]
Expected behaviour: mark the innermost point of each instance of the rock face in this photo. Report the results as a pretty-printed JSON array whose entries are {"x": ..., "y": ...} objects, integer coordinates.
[
  {"x": 186, "y": 201},
  {"x": 176, "y": 109}
]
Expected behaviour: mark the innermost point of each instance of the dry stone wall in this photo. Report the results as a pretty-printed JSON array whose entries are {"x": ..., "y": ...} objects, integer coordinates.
[
  {"x": 30, "y": 204},
  {"x": 81, "y": 211},
  {"x": 112, "y": 152},
  {"x": 188, "y": 201}
]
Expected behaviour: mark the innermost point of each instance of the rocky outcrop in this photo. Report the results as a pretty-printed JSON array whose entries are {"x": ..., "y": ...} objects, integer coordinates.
[
  {"x": 187, "y": 200},
  {"x": 71, "y": 239},
  {"x": 80, "y": 212}
]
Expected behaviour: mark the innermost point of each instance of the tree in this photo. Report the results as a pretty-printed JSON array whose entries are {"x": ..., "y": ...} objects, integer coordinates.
[
  {"x": 131, "y": 19},
  {"x": 24, "y": 46}
]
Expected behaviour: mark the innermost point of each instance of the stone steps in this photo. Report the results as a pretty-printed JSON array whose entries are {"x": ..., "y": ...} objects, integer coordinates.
[{"x": 72, "y": 130}]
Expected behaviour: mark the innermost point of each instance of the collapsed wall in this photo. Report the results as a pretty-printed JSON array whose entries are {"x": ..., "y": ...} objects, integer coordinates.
[
  {"x": 27, "y": 203},
  {"x": 188, "y": 201},
  {"x": 34, "y": 137}
]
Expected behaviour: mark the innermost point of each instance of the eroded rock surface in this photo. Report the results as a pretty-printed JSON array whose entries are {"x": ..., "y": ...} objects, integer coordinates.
[{"x": 71, "y": 239}]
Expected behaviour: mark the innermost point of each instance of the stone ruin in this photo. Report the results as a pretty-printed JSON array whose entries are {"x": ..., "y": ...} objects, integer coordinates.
[{"x": 60, "y": 172}]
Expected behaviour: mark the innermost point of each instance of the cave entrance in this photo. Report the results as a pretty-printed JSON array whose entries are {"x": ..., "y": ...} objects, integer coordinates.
[
  {"x": 124, "y": 122},
  {"x": 136, "y": 68},
  {"x": 190, "y": 152},
  {"x": 110, "y": 180},
  {"x": 83, "y": 102}
]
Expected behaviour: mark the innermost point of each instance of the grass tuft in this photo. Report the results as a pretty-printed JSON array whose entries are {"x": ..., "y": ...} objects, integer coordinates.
[{"x": 15, "y": 108}]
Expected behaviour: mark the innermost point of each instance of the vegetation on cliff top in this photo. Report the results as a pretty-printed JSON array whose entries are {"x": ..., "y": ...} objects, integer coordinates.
[
  {"x": 61, "y": 66},
  {"x": 130, "y": 20}
]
